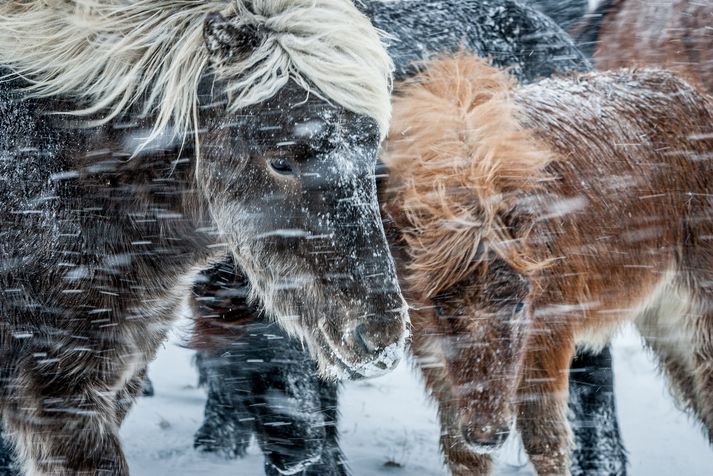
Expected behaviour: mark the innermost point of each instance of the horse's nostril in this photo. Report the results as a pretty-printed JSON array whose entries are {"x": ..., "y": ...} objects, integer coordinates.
[
  {"x": 485, "y": 439},
  {"x": 365, "y": 338},
  {"x": 381, "y": 365}
]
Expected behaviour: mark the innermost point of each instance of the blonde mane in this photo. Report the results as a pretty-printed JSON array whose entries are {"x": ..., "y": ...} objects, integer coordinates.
[
  {"x": 458, "y": 159},
  {"x": 116, "y": 53}
]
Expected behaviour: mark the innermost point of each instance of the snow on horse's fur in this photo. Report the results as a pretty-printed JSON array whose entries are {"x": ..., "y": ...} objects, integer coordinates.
[{"x": 536, "y": 217}]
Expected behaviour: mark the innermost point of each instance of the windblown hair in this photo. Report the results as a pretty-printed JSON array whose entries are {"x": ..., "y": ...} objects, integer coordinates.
[
  {"x": 115, "y": 53},
  {"x": 458, "y": 160}
]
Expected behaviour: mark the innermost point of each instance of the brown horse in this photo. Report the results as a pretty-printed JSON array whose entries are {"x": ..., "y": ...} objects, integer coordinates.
[
  {"x": 539, "y": 217},
  {"x": 674, "y": 34}
]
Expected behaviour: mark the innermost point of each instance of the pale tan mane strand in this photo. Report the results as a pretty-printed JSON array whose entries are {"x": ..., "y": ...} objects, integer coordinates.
[
  {"x": 113, "y": 53},
  {"x": 459, "y": 159}
]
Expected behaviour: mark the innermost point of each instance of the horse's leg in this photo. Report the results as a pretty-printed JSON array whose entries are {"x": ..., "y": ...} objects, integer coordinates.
[
  {"x": 460, "y": 459},
  {"x": 685, "y": 339},
  {"x": 542, "y": 401},
  {"x": 8, "y": 459},
  {"x": 125, "y": 397},
  {"x": 227, "y": 424},
  {"x": 62, "y": 414},
  {"x": 703, "y": 364},
  {"x": 678, "y": 335},
  {"x": 147, "y": 386},
  {"x": 684, "y": 348},
  {"x": 290, "y": 425},
  {"x": 598, "y": 447},
  {"x": 333, "y": 461}
]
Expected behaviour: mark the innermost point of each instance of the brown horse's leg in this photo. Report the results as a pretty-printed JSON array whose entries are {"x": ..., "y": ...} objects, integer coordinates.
[
  {"x": 676, "y": 367},
  {"x": 425, "y": 347},
  {"x": 684, "y": 348},
  {"x": 681, "y": 336},
  {"x": 542, "y": 401},
  {"x": 703, "y": 366}
]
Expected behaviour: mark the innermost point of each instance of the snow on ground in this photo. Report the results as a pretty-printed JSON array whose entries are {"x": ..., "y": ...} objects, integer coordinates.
[{"x": 389, "y": 427}]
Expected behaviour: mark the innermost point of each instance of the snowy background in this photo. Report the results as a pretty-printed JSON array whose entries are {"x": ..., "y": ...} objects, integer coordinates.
[{"x": 389, "y": 426}]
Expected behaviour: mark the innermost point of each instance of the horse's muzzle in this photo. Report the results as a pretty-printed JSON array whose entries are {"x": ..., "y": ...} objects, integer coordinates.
[
  {"x": 381, "y": 342},
  {"x": 484, "y": 438},
  {"x": 371, "y": 344}
]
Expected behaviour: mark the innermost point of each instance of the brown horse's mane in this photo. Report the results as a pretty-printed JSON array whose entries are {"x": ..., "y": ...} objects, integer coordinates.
[{"x": 459, "y": 161}]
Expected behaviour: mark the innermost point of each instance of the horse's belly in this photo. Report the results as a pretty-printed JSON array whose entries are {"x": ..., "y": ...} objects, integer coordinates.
[
  {"x": 662, "y": 316},
  {"x": 667, "y": 322}
]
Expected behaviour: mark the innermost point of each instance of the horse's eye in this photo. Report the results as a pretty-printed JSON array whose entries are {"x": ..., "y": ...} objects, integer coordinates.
[{"x": 281, "y": 166}]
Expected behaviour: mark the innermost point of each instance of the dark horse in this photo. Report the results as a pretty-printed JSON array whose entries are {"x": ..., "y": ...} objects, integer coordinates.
[
  {"x": 194, "y": 129},
  {"x": 227, "y": 326}
]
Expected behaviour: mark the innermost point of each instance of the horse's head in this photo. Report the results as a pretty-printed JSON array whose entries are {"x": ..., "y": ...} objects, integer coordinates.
[
  {"x": 484, "y": 326},
  {"x": 290, "y": 183}
]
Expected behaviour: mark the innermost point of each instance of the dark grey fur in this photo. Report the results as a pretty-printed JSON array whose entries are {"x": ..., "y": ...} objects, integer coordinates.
[
  {"x": 260, "y": 382},
  {"x": 513, "y": 35},
  {"x": 566, "y": 13}
]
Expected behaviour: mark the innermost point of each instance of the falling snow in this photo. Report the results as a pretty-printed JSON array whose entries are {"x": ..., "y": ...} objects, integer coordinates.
[{"x": 202, "y": 271}]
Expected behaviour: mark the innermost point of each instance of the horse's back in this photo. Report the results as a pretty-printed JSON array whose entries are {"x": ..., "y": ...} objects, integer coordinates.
[
  {"x": 643, "y": 117},
  {"x": 629, "y": 204}
]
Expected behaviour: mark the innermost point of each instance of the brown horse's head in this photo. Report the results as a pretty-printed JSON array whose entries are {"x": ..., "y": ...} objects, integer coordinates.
[
  {"x": 290, "y": 183},
  {"x": 483, "y": 322},
  {"x": 460, "y": 165}
]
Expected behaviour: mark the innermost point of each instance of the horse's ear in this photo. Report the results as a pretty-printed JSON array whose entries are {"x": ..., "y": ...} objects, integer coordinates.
[{"x": 226, "y": 41}]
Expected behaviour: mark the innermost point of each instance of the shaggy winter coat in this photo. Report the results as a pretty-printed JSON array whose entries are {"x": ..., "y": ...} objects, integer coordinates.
[{"x": 538, "y": 217}]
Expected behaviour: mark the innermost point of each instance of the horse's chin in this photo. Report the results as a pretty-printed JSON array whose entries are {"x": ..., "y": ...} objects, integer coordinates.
[{"x": 305, "y": 312}]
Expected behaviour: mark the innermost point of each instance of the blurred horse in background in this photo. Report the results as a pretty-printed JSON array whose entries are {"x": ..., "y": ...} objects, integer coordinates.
[
  {"x": 566, "y": 13},
  {"x": 674, "y": 34},
  {"x": 533, "y": 219},
  {"x": 677, "y": 35},
  {"x": 260, "y": 382}
]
